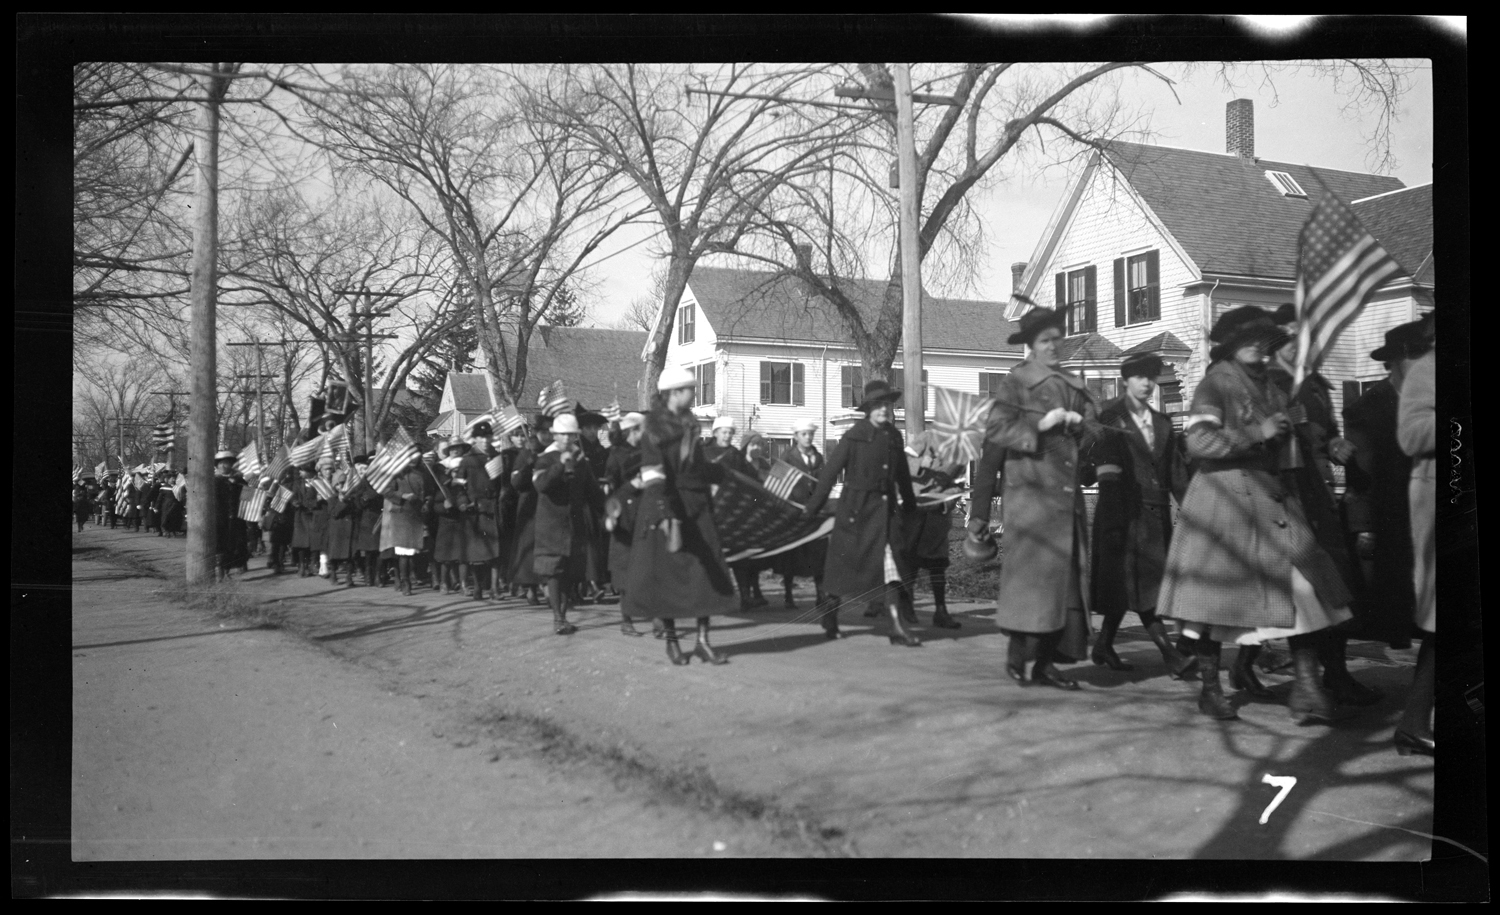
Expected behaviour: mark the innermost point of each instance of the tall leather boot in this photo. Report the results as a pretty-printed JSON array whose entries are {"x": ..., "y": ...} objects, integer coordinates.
[
  {"x": 481, "y": 579},
  {"x": 829, "y": 616},
  {"x": 1017, "y": 653},
  {"x": 1104, "y": 647},
  {"x": 1180, "y": 666},
  {"x": 941, "y": 618},
  {"x": 1242, "y": 674},
  {"x": 403, "y": 571},
  {"x": 899, "y": 635},
  {"x": 1211, "y": 701},
  {"x": 1336, "y": 677},
  {"x": 555, "y": 599},
  {"x": 1310, "y": 703},
  {"x": 786, "y": 585}
]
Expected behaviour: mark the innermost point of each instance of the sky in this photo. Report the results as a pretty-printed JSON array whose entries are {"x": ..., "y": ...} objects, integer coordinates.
[{"x": 1298, "y": 119}]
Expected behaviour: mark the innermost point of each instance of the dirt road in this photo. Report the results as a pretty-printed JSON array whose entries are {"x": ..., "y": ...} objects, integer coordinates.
[{"x": 869, "y": 749}]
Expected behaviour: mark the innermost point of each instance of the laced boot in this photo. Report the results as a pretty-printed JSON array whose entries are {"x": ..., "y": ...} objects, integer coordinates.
[
  {"x": 1104, "y": 648},
  {"x": 1310, "y": 703},
  {"x": 1016, "y": 654},
  {"x": 941, "y": 618},
  {"x": 1242, "y": 674},
  {"x": 786, "y": 585},
  {"x": 899, "y": 635},
  {"x": 1045, "y": 671},
  {"x": 1180, "y": 666},
  {"x": 1211, "y": 700}
]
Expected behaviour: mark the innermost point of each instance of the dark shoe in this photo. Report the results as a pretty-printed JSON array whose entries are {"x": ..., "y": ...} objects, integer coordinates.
[
  {"x": 1051, "y": 676},
  {"x": 628, "y": 628},
  {"x": 788, "y": 603},
  {"x": 1348, "y": 691},
  {"x": 943, "y": 620},
  {"x": 705, "y": 652},
  {"x": 1104, "y": 656},
  {"x": 535, "y": 599},
  {"x": 1309, "y": 702},
  {"x": 758, "y": 601},
  {"x": 1242, "y": 674},
  {"x": 1180, "y": 666},
  {"x": 1018, "y": 674},
  {"x": 832, "y": 634},
  {"x": 1407, "y": 744},
  {"x": 565, "y": 628},
  {"x": 674, "y": 653},
  {"x": 872, "y": 611},
  {"x": 657, "y": 631},
  {"x": 906, "y": 639},
  {"x": 1211, "y": 700}
]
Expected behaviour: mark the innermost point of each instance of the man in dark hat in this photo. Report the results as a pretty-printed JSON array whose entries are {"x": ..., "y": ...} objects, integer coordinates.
[
  {"x": 229, "y": 531},
  {"x": 867, "y": 543},
  {"x": 1042, "y": 416},
  {"x": 1140, "y": 468},
  {"x": 1375, "y": 506}
]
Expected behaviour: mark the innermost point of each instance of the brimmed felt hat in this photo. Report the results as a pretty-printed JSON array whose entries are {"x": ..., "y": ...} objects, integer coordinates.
[
  {"x": 632, "y": 421},
  {"x": 878, "y": 392},
  {"x": 565, "y": 423},
  {"x": 674, "y": 377},
  {"x": 1034, "y": 322},
  {"x": 1243, "y": 326},
  {"x": 1147, "y": 365},
  {"x": 455, "y": 443},
  {"x": 723, "y": 422},
  {"x": 1405, "y": 341}
]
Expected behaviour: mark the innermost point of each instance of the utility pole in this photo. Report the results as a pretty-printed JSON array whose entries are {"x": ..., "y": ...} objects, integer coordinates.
[
  {"x": 260, "y": 403},
  {"x": 369, "y": 314}
]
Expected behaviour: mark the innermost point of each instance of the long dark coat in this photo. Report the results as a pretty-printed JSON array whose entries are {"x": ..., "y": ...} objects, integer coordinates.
[
  {"x": 521, "y": 567},
  {"x": 924, "y": 535},
  {"x": 566, "y": 497},
  {"x": 312, "y": 516},
  {"x": 732, "y": 458},
  {"x": 171, "y": 511},
  {"x": 1133, "y": 516},
  {"x": 1044, "y": 577},
  {"x": 81, "y": 507},
  {"x": 694, "y": 581},
  {"x": 107, "y": 497},
  {"x": 401, "y": 524},
  {"x": 1314, "y": 479},
  {"x": 148, "y": 506},
  {"x": 1376, "y": 502},
  {"x": 449, "y": 545},
  {"x": 479, "y": 501},
  {"x": 620, "y": 471},
  {"x": 229, "y": 530},
  {"x": 338, "y": 542},
  {"x": 1241, "y": 528},
  {"x": 509, "y": 499},
  {"x": 873, "y": 462},
  {"x": 809, "y": 559},
  {"x": 367, "y": 505}
]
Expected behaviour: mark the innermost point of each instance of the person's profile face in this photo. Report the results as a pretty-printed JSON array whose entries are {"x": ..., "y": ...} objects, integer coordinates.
[{"x": 1251, "y": 354}]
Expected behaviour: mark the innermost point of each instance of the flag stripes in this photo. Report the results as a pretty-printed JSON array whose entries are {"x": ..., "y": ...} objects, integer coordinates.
[
  {"x": 77, "y": 474},
  {"x": 394, "y": 455},
  {"x": 554, "y": 400},
  {"x": 508, "y": 419},
  {"x": 495, "y": 466},
  {"x": 324, "y": 488},
  {"x": 783, "y": 479},
  {"x": 281, "y": 499},
  {"x": 253, "y": 505},
  {"x": 612, "y": 411},
  {"x": 307, "y": 452},
  {"x": 280, "y": 464},
  {"x": 248, "y": 463}
]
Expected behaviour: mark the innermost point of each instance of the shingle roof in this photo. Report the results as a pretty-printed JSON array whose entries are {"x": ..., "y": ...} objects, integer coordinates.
[
  {"x": 471, "y": 392},
  {"x": 763, "y": 305},
  {"x": 596, "y": 365},
  {"x": 1163, "y": 344},
  {"x": 1087, "y": 348},
  {"x": 1402, "y": 222},
  {"x": 440, "y": 421},
  {"x": 1223, "y": 210}
]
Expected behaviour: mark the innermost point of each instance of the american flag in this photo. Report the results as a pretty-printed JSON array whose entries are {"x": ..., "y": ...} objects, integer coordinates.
[
  {"x": 248, "y": 463},
  {"x": 164, "y": 436},
  {"x": 280, "y": 464},
  {"x": 77, "y": 474},
  {"x": 495, "y": 466},
  {"x": 324, "y": 488},
  {"x": 306, "y": 452},
  {"x": 958, "y": 429},
  {"x": 281, "y": 499},
  {"x": 749, "y": 524},
  {"x": 612, "y": 411},
  {"x": 337, "y": 442},
  {"x": 554, "y": 401},
  {"x": 253, "y": 503},
  {"x": 1340, "y": 265},
  {"x": 393, "y": 456},
  {"x": 508, "y": 418},
  {"x": 122, "y": 502},
  {"x": 782, "y": 480},
  {"x": 100, "y": 469}
]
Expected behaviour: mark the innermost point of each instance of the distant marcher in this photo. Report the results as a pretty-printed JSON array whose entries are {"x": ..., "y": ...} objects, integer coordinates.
[{"x": 809, "y": 559}]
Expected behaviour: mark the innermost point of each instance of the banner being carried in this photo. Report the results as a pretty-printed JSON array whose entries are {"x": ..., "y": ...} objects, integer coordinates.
[{"x": 754, "y": 523}]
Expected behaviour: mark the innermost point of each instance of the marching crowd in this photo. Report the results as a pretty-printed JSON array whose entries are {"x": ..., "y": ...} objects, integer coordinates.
[{"x": 573, "y": 506}]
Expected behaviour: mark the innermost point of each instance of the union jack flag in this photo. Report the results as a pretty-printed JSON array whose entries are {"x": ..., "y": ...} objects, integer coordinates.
[
  {"x": 782, "y": 479},
  {"x": 958, "y": 429},
  {"x": 1340, "y": 265},
  {"x": 394, "y": 455}
]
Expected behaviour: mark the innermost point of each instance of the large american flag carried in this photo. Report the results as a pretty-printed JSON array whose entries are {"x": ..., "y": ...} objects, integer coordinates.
[
  {"x": 394, "y": 455},
  {"x": 782, "y": 480},
  {"x": 248, "y": 463},
  {"x": 957, "y": 432},
  {"x": 1339, "y": 266},
  {"x": 753, "y": 523},
  {"x": 164, "y": 435},
  {"x": 280, "y": 464}
]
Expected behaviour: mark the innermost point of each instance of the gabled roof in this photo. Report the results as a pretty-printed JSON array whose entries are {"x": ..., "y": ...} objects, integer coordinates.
[
  {"x": 1225, "y": 213},
  {"x": 595, "y": 364},
  {"x": 1163, "y": 344},
  {"x": 1086, "y": 348},
  {"x": 471, "y": 391},
  {"x": 763, "y": 305},
  {"x": 1402, "y": 222},
  {"x": 441, "y": 421}
]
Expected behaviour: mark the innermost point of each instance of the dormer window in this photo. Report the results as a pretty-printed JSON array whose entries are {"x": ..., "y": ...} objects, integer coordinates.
[{"x": 1286, "y": 184}]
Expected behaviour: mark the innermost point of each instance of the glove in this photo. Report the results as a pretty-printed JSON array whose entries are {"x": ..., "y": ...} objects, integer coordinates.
[
  {"x": 1054, "y": 416},
  {"x": 1274, "y": 425}
]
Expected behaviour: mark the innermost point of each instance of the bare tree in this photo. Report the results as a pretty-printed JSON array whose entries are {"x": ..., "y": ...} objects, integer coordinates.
[{"x": 705, "y": 146}]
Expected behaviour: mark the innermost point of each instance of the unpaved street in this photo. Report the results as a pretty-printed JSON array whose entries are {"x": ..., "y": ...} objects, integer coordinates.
[{"x": 853, "y": 747}]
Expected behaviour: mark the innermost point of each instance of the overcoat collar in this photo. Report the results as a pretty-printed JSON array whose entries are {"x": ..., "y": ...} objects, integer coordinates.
[
  {"x": 1032, "y": 373},
  {"x": 861, "y": 431}
]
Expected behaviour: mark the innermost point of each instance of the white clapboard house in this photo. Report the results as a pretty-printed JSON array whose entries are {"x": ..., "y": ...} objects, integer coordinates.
[
  {"x": 770, "y": 353},
  {"x": 1151, "y": 244}
]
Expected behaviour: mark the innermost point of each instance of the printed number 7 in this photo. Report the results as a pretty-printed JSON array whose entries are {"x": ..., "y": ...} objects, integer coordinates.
[{"x": 1286, "y": 783}]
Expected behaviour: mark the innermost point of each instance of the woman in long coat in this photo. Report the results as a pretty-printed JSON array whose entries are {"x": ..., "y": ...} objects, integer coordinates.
[
  {"x": 865, "y": 551},
  {"x": 522, "y": 567},
  {"x": 809, "y": 559},
  {"x": 448, "y": 550},
  {"x": 1417, "y": 431},
  {"x": 365, "y": 542},
  {"x": 677, "y": 566},
  {"x": 567, "y": 494},
  {"x": 479, "y": 501},
  {"x": 307, "y": 533},
  {"x": 515, "y": 440},
  {"x": 130, "y": 497},
  {"x": 338, "y": 543},
  {"x": 171, "y": 508},
  {"x": 1042, "y": 416},
  {"x": 81, "y": 507},
  {"x": 621, "y": 478},
  {"x": 1244, "y": 564},
  {"x": 402, "y": 529}
]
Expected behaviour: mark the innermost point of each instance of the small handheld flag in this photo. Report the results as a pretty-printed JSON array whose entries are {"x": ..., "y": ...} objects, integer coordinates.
[
  {"x": 783, "y": 478},
  {"x": 248, "y": 463},
  {"x": 508, "y": 419},
  {"x": 958, "y": 428},
  {"x": 393, "y": 456}
]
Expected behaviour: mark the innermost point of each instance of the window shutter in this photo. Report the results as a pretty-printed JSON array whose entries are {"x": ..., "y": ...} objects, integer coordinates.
[
  {"x": 1091, "y": 297},
  {"x": 846, "y": 385},
  {"x": 765, "y": 382},
  {"x": 797, "y": 386},
  {"x": 1062, "y": 291},
  {"x": 1120, "y": 320},
  {"x": 1153, "y": 280},
  {"x": 708, "y": 382}
]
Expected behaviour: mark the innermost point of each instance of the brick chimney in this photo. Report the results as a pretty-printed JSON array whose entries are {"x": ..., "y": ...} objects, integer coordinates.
[
  {"x": 804, "y": 251},
  {"x": 1239, "y": 128},
  {"x": 1016, "y": 270}
]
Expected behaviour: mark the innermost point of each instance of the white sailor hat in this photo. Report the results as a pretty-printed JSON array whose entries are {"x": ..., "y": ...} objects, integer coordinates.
[
  {"x": 225, "y": 456},
  {"x": 632, "y": 421},
  {"x": 565, "y": 423},
  {"x": 724, "y": 422},
  {"x": 673, "y": 377},
  {"x": 806, "y": 425}
]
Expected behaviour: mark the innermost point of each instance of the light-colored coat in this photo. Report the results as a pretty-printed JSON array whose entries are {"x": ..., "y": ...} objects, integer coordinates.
[{"x": 1416, "y": 429}]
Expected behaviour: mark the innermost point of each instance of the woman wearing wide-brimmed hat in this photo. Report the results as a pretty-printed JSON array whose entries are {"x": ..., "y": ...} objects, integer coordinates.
[
  {"x": 522, "y": 566},
  {"x": 866, "y": 556},
  {"x": 1042, "y": 416},
  {"x": 448, "y": 550},
  {"x": 677, "y": 566},
  {"x": 1244, "y": 566}
]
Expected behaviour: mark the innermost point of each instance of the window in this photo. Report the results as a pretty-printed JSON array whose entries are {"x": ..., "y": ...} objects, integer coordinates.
[
  {"x": 989, "y": 383},
  {"x": 1076, "y": 292},
  {"x": 1103, "y": 389},
  {"x": 781, "y": 382},
  {"x": 1138, "y": 288},
  {"x": 685, "y": 324},
  {"x": 852, "y": 385},
  {"x": 704, "y": 376},
  {"x": 1286, "y": 184},
  {"x": 898, "y": 382}
]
